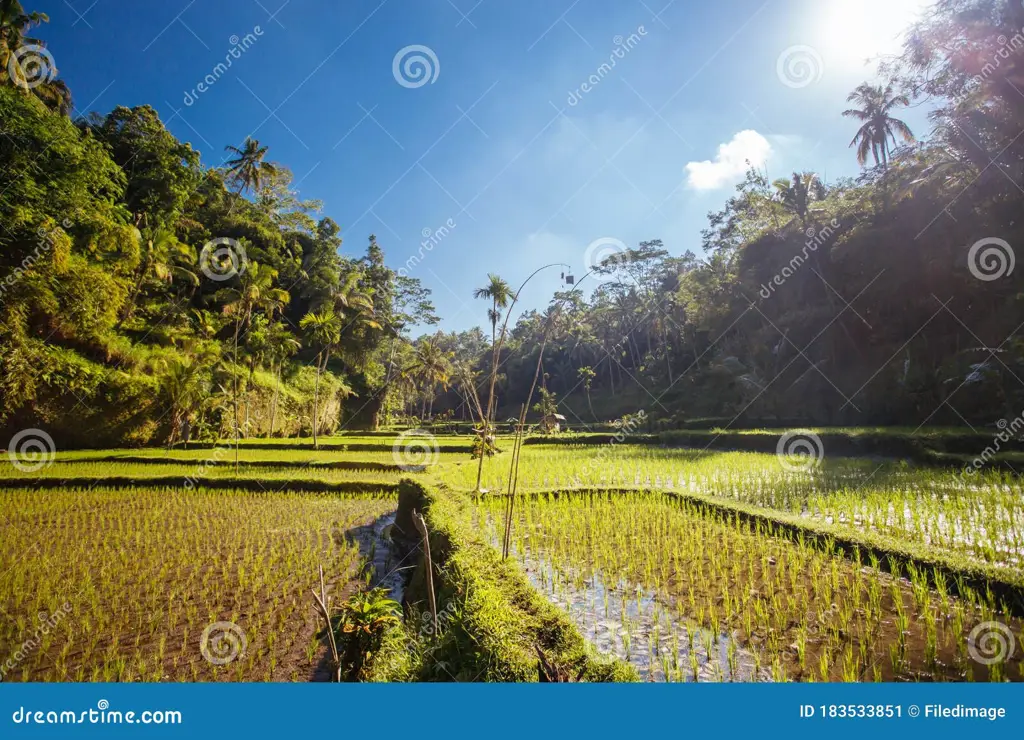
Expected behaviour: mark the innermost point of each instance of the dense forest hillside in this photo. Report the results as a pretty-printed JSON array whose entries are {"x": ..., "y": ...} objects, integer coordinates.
[
  {"x": 891, "y": 298},
  {"x": 151, "y": 298},
  {"x": 148, "y": 298}
]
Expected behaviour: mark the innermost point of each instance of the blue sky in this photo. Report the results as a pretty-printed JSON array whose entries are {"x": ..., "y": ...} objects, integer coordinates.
[{"x": 500, "y": 139}]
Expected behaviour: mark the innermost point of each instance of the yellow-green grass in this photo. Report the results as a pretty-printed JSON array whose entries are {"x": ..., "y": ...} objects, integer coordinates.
[
  {"x": 227, "y": 455},
  {"x": 681, "y": 584},
  {"x": 979, "y": 517},
  {"x": 126, "y": 581},
  {"x": 194, "y": 471}
]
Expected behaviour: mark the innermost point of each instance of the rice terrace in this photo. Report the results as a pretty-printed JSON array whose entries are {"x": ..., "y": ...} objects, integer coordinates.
[{"x": 237, "y": 448}]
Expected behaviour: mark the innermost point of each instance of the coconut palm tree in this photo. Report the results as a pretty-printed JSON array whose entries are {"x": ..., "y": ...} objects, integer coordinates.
[
  {"x": 432, "y": 367},
  {"x": 184, "y": 384},
  {"x": 796, "y": 196},
  {"x": 248, "y": 169},
  {"x": 879, "y": 127},
  {"x": 256, "y": 291},
  {"x": 498, "y": 292},
  {"x": 323, "y": 328},
  {"x": 282, "y": 344},
  {"x": 587, "y": 375},
  {"x": 14, "y": 24},
  {"x": 165, "y": 260}
]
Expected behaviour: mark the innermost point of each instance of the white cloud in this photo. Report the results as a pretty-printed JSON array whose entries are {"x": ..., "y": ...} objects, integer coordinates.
[{"x": 730, "y": 163}]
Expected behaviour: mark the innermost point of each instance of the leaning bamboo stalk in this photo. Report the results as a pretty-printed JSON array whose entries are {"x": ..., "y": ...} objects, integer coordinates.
[
  {"x": 421, "y": 527},
  {"x": 323, "y": 607}
]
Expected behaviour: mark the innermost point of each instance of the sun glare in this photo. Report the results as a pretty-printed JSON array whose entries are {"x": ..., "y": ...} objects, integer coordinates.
[{"x": 855, "y": 31}]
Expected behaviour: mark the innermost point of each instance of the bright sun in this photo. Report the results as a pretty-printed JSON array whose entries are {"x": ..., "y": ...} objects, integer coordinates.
[{"x": 857, "y": 30}]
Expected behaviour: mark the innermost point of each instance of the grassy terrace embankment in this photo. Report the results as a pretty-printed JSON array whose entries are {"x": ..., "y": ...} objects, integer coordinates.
[
  {"x": 499, "y": 621},
  {"x": 940, "y": 446}
]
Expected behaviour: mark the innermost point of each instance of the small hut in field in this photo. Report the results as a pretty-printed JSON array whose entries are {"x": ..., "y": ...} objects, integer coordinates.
[{"x": 551, "y": 423}]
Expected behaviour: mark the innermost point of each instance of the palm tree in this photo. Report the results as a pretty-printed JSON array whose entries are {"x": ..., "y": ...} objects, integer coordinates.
[
  {"x": 323, "y": 328},
  {"x": 797, "y": 195},
  {"x": 875, "y": 104},
  {"x": 14, "y": 23},
  {"x": 282, "y": 344},
  {"x": 432, "y": 366},
  {"x": 248, "y": 168},
  {"x": 255, "y": 292},
  {"x": 185, "y": 384},
  {"x": 587, "y": 375},
  {"x": 165, "y": 259},
  {"x": 499, "y": 293}
]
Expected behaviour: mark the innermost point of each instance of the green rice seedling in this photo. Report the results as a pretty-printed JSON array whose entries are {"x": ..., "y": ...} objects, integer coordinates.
[
  {"x": 931, "y": 508},
  {"x": 147, "y": 571},
  {"x": 801, "y": 608}
]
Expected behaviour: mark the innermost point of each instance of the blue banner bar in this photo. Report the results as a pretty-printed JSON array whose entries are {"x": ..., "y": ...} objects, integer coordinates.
[{"x": 512, "y": 711}]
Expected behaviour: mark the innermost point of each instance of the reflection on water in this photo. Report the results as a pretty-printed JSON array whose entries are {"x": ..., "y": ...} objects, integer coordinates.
[{"x": 623, "y": 620}]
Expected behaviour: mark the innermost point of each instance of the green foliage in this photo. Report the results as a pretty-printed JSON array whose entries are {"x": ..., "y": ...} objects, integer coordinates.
[
  {"x": 108, "y": 296},
  {"x": 364, "y": 622},
  {"x": 500, "y": 620}
]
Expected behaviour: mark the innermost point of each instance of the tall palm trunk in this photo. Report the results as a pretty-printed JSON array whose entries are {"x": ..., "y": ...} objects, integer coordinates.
[
  {"x": 316, "y": 401},
  {"x": 273, "y": 404},
  {"x": 234, "y": 379}
]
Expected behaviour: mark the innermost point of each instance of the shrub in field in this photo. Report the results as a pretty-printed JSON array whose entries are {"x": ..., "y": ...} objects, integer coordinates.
[{"x": 362, "y": 625}]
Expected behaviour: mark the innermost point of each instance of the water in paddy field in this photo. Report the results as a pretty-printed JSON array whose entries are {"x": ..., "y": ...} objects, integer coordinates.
[
  {"x": 375, "y": 546},
  {"x": 628, "y": 623}
]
